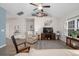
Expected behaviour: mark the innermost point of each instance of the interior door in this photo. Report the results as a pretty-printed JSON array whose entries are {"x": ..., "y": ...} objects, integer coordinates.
[{"x": 30, "y": 25}]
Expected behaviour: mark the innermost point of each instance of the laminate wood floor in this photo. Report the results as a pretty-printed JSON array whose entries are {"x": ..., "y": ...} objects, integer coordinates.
[{"x": 40, "y": 44}]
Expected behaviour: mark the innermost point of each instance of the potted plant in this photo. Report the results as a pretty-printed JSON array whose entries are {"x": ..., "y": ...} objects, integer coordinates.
[{"x": 74, "y": 34}]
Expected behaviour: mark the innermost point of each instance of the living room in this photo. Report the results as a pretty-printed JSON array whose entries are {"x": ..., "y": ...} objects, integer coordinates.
[{"x": 42, "y": 31}]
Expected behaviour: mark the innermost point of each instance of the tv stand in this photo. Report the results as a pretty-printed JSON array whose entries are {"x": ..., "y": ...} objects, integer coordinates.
[{"x": 47, "y": 36}]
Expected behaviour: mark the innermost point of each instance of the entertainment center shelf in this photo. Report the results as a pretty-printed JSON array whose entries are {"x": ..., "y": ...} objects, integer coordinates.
[{"x": 47, "y": 34}]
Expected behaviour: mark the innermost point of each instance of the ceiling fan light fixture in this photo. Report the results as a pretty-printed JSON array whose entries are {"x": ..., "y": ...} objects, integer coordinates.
[
  {"x": 40, "y": 7},
  {"x": 39, "y": 14}
]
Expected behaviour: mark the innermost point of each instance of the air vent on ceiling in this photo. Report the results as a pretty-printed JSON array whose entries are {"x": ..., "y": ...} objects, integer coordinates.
[{"x": 20, "y": 13}]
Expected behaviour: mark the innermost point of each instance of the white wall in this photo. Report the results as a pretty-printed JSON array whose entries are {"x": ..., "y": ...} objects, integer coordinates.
[
  {"x": 11, "y": 23},
  {"x": 7, "y": 29},
  {"x": 38, "y": 24},
  {"x": 62, "y": 29}
]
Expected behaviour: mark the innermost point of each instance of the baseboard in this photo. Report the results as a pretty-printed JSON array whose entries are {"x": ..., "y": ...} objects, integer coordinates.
[{"x": 2, "y": 46}]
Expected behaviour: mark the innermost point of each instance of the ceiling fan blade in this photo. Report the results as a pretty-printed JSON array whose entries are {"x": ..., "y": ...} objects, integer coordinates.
[
  {"x": 35, "y": 9},
  {"x": 46, "y": 6},
  {"x": 33, "y": 4}
]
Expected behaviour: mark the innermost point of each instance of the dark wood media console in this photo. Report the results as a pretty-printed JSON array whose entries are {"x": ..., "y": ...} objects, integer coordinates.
[{"x": 48, "y": 36}]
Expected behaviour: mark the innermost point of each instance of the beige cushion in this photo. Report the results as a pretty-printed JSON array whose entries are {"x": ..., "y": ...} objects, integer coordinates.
[
  {"x": 31, "y": 38},
  {"x": 20, "y": 36}
]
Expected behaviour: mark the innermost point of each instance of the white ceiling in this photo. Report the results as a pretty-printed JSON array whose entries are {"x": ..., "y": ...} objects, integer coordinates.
[{"x": 57, "y": 9}]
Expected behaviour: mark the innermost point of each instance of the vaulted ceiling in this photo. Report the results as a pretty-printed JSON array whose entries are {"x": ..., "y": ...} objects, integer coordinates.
[{"x": 57, "y": 9}]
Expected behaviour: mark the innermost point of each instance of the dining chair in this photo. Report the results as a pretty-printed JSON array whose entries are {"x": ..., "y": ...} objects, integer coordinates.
[{"x": 18, "y": 44}]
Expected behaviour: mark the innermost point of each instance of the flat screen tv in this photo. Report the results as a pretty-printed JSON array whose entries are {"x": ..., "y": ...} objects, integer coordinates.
[{"x": 47, "y": 30}]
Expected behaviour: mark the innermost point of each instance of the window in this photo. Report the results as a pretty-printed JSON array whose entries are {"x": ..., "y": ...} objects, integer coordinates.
[{"x": 71, "y": 26}]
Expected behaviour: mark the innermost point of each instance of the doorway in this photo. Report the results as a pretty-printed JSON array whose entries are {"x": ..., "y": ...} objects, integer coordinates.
[{"x": 30, "y": 25}]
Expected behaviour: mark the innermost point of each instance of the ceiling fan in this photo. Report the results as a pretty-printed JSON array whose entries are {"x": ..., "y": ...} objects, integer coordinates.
[{"x": 40, "y": 6}]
